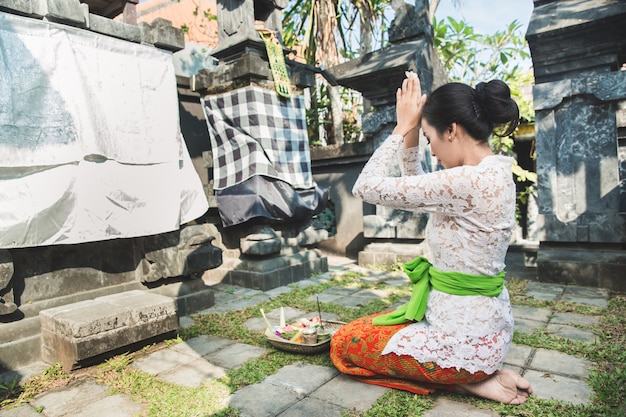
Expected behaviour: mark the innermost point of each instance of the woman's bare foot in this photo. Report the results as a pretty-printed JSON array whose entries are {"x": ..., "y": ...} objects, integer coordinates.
[{"x": 505, "y": 386}]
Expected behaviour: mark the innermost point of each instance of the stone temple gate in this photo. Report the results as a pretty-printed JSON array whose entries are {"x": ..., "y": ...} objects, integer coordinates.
[{"x": 579, "y": 55}]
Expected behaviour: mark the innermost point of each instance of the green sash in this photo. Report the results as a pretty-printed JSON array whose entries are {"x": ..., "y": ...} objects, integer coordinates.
[{"x": 423, "y": 276}]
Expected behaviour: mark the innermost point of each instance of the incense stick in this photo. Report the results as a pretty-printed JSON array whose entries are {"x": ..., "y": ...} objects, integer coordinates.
[{"x": 319, "y": 311}]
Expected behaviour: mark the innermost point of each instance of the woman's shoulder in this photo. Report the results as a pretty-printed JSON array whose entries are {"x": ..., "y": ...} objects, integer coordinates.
[
  {"x": 496, "y": 162},
  {"x": 497, "y": 159},
  {"x": 488, "y": 163}
]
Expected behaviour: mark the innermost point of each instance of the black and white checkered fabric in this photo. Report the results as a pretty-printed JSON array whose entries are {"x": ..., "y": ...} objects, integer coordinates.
[{"x": 255, "y": 132}]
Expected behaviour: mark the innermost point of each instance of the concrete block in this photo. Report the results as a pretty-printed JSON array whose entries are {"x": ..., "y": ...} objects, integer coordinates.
[
  {"x": 377, "y": 227},
  {"x": 20, "y": 352},
  {"x": 547, "y": 385},
  {"x": 162, "y": 34},
  {"x": 123, "y": 405},
  {"x": 571, "y": 332},
  {"x": 518, "y": 355},
  {"x": 72, "y": 397},
  {"x": 528, "y": 326},
  {"x": 531, "y": 313},
  {"x": 573, "y": 318},
  {"x": 447, "y": 408},
  {"x": 311, "y": 236},
  {"x": 560, "y": 363},
  {"x": 190, "y": 295},
  {"x": 234, "y": 355},
  {"x": 87, "y": 398},
  {"x": 77, "y": 333},
  {"x": 266, "y": 246},
  {"x": 413, "y": 228},
  {"x": 340, "y": 391},
  {"x": 142, "y": 306},
  {"x": 63, "y": 11},
  {"x": 114, "y": 28},
  {"x": 202, "y": 345},
  {"x": 544, "y": 290},
  {"x": 262, "y": 400},
  {"x": 193, "y": 374},
  {"x": 84, "y": 319},
  {"x": 313, "y": 407},
  {"x": 276, "y": 272},
  {"x": 302, "y": 379},
  {"x": 20, "y": 6},
  {"x": 163, "y": 361}
]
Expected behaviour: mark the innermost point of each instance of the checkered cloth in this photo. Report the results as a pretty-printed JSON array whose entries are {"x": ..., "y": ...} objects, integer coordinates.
[{"x": 253, "y": 131}]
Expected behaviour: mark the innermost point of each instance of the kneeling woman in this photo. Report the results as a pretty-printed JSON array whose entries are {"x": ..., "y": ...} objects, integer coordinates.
[{"x": 456, "y": 330}]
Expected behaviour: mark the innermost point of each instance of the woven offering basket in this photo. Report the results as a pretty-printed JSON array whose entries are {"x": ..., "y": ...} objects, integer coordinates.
[{"x": 293, "y": 347}]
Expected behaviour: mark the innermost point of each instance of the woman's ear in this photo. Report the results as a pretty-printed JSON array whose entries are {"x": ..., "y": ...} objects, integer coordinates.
[{"x": 452, "y": 131}]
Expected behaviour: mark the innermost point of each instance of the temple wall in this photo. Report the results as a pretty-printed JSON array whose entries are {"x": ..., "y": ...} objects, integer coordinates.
[
  {"x": 42, "y": 277},
  {"x": 577, "y": 49}
]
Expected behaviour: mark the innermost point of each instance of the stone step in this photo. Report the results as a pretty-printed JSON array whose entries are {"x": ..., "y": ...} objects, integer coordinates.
[
  {"x": 20, "y": 352},
  {"x": 267, "y": 273},
  {"x": 32, "y": 309},
  {"x": 20, "y": 343},
  {"x": 85, "y": 332},
  {"x": 20, "y": 340},
  {"x": 15, "y": 330},
  {"x": 600, "y": 268},
  {"x": 190, "y": 295}
]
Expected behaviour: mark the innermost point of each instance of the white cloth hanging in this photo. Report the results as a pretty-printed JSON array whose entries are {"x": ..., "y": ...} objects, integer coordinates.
[{"x": 90, "y": 142}]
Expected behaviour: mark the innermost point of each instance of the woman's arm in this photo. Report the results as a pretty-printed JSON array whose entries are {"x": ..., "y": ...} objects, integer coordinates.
[{"x": 409, "y": 105}]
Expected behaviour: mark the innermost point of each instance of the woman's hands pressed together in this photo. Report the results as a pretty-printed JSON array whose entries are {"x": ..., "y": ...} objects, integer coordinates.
[{"x": 409, "y": 105}]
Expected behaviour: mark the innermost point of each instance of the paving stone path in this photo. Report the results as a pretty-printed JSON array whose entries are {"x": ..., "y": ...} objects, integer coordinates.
[{"x": 304, "y": 390}]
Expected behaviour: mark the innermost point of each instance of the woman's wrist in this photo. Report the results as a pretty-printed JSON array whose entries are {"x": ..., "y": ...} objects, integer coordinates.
[
  {"x": 412, "y": 138},
  {"x": 404, "y": 131}
]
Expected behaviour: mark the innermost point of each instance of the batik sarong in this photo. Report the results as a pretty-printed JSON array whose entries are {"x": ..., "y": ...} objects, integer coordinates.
[{"x": 356, "y": 348}]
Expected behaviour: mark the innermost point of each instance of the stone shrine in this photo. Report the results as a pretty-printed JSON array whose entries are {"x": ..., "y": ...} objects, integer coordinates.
[
  {"x": 393, "y": 233},
  {"x": 578, "y": 51},
  {"x": 259, "y": 163},
  {"x": 46, "y": 268}
]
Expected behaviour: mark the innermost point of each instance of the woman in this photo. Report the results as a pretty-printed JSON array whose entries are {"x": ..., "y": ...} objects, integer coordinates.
[{"x": 456, "y": 331}]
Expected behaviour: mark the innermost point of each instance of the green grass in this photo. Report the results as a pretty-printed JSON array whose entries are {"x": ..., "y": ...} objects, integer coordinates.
[
  {"x": 13, "y": 394},
  {"x": 163, "y": 399}
]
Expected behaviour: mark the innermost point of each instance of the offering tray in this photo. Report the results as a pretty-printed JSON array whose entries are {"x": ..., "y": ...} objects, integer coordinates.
[{"x": 294, "y": 347}]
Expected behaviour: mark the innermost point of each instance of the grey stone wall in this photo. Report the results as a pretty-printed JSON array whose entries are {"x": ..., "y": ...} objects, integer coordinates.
[
  {"x": 577, "y": 49},
  {"x": 39, "y": 278},
  {"x": 337, "y": 168}
]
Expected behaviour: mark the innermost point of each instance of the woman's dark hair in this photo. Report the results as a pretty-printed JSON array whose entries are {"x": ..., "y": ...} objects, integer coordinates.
[{"x": 478, "y": 110}]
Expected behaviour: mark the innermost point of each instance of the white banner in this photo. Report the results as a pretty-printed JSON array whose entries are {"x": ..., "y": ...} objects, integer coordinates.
[{"x": 90, "y": 142}]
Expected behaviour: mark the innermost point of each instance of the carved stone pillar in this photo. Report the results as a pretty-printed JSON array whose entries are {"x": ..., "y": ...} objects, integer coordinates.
[
  {"x": 261, "y": 251},
  {"x": 580, "y": 94}
]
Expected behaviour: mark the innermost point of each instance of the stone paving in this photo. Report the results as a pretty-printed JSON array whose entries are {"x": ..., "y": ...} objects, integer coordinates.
[{"x": 310, "y": 390}]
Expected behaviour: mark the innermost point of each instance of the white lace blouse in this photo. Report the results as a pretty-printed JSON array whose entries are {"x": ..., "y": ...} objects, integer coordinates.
[{"x": 472, "y": 215}]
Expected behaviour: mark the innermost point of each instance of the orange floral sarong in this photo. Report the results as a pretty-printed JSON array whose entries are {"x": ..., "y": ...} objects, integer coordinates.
[{"x": 356, "y": 348}]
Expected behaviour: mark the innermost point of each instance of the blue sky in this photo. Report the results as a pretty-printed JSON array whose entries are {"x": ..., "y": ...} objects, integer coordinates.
[{"x": 488, "y": 16}]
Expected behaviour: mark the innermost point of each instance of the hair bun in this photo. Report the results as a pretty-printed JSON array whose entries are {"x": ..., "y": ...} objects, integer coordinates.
[{"x": 493, "y": 102}]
